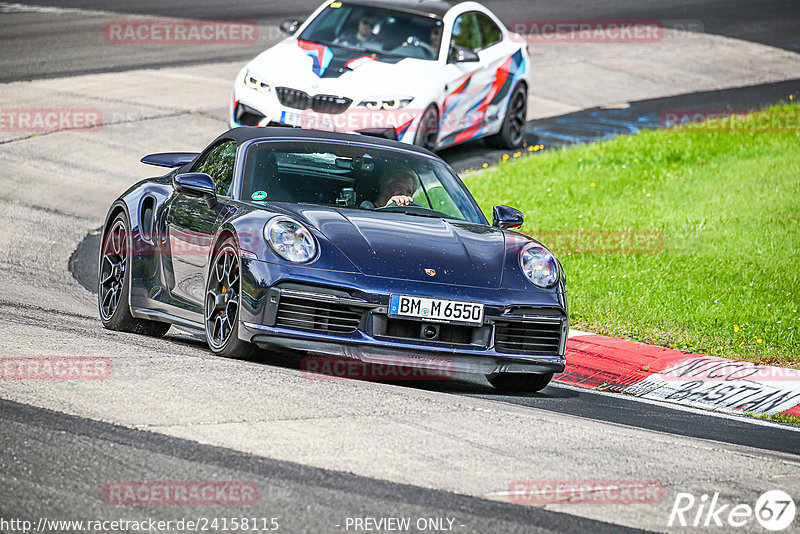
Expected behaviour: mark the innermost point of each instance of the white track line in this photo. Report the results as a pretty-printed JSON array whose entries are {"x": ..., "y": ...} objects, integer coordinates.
[{"x": 6, "y": 7}]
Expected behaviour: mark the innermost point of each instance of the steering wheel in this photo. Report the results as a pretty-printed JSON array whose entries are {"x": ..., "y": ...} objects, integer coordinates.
[
  {"x": 395, "y": 205},
  {"x": 425, "y": 48}
]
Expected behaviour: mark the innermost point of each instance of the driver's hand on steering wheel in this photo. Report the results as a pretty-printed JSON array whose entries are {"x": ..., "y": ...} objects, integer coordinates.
[{"x": 400, "y": 200}]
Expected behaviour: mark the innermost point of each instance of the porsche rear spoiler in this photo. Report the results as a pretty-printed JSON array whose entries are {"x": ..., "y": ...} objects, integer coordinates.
[{"x": 169, "y": 159}]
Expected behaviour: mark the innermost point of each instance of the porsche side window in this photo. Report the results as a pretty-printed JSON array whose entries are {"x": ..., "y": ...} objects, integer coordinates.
[
  {"x": 434, "y": 195},
  {"x": 490, "y": 33},
  {"x": 218, "y": 164},
  {"x": 466, "y": 32}
]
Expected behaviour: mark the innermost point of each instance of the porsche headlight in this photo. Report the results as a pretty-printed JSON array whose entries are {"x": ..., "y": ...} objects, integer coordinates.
[
  {"x": 290, "y": 240},
  {"x": 539, "y": 265},
  {"x": 253, "y": 82},
  {"x": 376, "y": 104}
]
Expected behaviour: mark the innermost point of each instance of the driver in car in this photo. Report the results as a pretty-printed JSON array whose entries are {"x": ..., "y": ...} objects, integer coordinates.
[
  {"x": 397, "y": 190},
  {"x": 365, "y": 33}
]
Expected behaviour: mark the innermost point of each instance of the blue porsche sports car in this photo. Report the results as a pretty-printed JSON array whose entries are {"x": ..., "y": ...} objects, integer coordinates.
[{"x": 334, "y": 245}]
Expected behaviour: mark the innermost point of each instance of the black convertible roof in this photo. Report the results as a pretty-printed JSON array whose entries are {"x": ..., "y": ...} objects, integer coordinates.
[
  {"x": 246, "y": 133},
  {"x": 437, "y": 8}
]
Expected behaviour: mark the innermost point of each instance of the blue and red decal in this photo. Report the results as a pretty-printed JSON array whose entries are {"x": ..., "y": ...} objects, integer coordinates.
[
  {"x": 400, "y": 131},
  {"x": 493, "y": 94},
  {"x": 321, "y": 56}
]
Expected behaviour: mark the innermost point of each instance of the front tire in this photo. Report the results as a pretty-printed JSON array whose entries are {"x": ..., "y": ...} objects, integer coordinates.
[
  {"x": 428, "y": 130},
  {"x": 520, "y": 382},
  {"x": 221, "y": 307},
  {"x": 114, "y": 281},
  {"x": 512, "y": 134}
]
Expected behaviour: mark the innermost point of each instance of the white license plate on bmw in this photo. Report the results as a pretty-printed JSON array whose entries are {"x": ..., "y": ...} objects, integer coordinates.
[
  {"x": 441, "y": 310},
  {"x": 292, "y": 119},
  {"x": 309, "y": 120}
]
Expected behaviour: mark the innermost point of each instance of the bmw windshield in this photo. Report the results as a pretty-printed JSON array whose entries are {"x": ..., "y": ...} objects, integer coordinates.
[
  {"x": 376, "y": 30},
  {"x": 355, "y": 176}
]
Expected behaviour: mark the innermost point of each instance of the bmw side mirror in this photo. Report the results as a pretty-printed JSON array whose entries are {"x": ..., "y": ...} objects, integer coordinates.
[
  {"x": 507, "y": 218},
  {"x": 460, "y": 54},
  {"x": 196, "y": 184},
  {"x": 289, "y": 26}
]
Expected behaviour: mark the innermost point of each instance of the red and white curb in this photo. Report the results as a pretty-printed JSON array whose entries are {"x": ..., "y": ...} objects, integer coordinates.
[{"x": 695, "y": 380}]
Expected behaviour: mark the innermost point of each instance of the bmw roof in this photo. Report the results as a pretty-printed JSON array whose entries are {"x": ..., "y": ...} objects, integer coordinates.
[{"x": 437, "y": 8}]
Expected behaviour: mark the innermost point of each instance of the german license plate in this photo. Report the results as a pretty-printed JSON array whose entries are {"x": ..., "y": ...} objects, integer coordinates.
[
  {"x": 448, "y": 311},
  {"x": 292, "y": 119},
  {"x": 308, "y": 120}
]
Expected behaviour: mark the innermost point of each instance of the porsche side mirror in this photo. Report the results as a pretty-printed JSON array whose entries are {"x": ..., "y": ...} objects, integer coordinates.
[
  {"x": 460, "y": 54},
  {"x": 289, "y": 26},
  {"x": 507, "y": 218},
  {"x": 196, "y": 184}
]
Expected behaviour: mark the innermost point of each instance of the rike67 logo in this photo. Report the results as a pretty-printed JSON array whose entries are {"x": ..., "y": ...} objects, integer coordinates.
[{"x": 774, "y": 510}]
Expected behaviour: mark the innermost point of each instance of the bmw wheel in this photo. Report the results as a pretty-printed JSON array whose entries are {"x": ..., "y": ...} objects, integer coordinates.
[
  {"x": 512, "y": 133},
  {"x": 522, "y": 382},
  {"x": 114, "y": 282},
  {"x": 428, "y": 130},
  {"x": 221, "y": 309}
]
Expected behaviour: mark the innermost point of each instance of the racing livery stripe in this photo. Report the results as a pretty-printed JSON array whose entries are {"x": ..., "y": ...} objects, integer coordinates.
[
  {"x": 400, "y": 131},
  {"x": 321, "y": 56},
  {"x": 494, "y": 93},
  {"x": 357, "y": 62},
  {"x": 451, "y": 101}
]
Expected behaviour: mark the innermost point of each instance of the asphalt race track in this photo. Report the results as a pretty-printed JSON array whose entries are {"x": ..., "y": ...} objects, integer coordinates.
[
  {"x": 305, "y": 499},
  {"x": 72, "y": 47},
  {"x": 322, "y": 453}
]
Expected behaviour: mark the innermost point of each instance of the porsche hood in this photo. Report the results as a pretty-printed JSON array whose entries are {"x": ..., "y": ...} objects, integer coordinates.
[{"x": 396, "y": 245}]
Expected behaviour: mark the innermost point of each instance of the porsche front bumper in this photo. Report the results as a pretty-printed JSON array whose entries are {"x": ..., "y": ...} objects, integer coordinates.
[{"x": 337, "y": 314}]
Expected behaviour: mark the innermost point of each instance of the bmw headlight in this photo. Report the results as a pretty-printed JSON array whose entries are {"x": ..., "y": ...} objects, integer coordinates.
[
  {"x": 290, "y": 240},
  {"x": 376, "y": 104},
  {"x": 539, "y": 265},
  {"x": 253, "y": 82}
]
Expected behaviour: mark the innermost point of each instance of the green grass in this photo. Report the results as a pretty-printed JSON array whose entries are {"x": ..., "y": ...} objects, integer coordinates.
[
  {"x": 780, "y": 418},
  {"x": 723, "y": 275}
]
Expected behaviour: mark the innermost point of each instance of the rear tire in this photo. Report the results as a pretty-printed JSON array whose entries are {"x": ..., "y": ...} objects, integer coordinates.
[
  {"x": 520, "y": 382},
  {"x": 113, "y": 283},
  {"x": 428, "y": 129},
  {"x": 221, "y": 306},
  {"x": 512, "y": 133}
]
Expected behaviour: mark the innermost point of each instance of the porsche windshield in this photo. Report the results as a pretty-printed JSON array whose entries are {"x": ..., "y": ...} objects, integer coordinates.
[
  {"x": 354, "y": 176},
  {"x": 376, "y": 30}
]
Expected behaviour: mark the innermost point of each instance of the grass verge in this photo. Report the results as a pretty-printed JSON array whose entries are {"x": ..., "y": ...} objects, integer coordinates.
[
  {"x": 687, "y": 238},
  {"x": 780, "y": 418}
]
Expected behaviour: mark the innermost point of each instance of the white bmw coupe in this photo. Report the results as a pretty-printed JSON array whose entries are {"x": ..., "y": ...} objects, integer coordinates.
[{"x": 425, "y": 72}]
